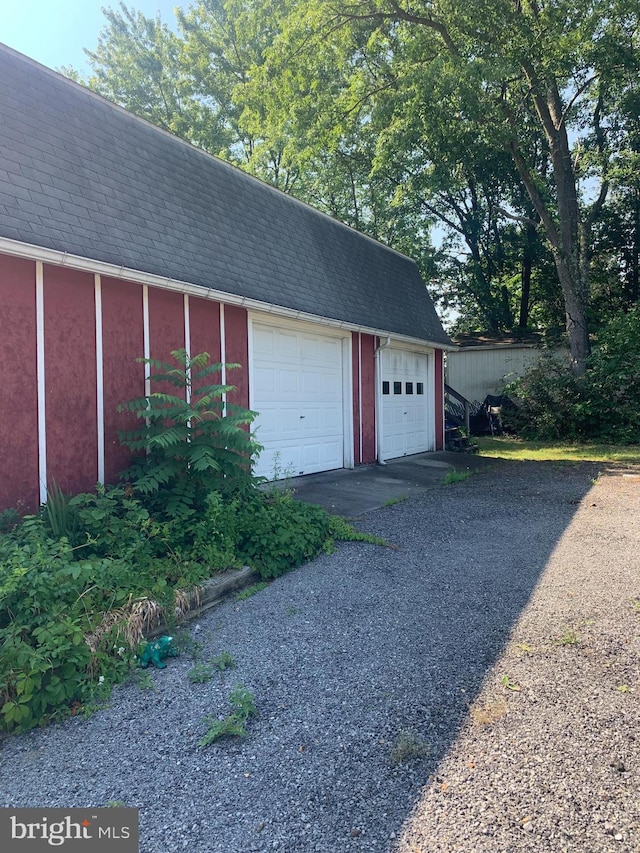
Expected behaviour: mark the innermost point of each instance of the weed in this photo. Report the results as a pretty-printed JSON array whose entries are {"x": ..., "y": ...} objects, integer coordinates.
[
  {"x": 233, "y": 725},
  {"x": 510, "y": 685},
  {"x": 570, "y": 637},
  {"x": 145, "y": 681},
  {"x": 293, "y": 611},
  {"x": 525, "y": 648},
  {"x": 59, "y": 515},
  {"x": 194, "y": 441},
  {"x": 184, "y": 643},
  {"x": 9, "y": 519},
  {"x": 202, "y": 672},
  {"x": 407, "y": 746},
  {"x": 223, "y": 661},
  {"x": 635, "y": 604},
  {"x": 116, "y": 804},
  {"x": 251, "y": 590},
  {"x": 623, "y": 688},
  {"x": 393, "y": 501},
  {"x": 343, "y": 531},
  {"x": 488, "y": 713},
  {"x": 454, "y": 476}
]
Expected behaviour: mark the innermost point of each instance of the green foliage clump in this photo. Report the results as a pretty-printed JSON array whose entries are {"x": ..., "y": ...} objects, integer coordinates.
[
  {"x": 232, "y": 725},
  {"x": 50, "y": 605},
  {"x": 277, "y": 533},
  {"x": 202, "y": 672},
  {"x": 191, "y": 442},
  {"x": 602, "y": 405}
]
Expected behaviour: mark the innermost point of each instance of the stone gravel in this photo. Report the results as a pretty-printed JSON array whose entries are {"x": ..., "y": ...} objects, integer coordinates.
[{"x": 472, "y": 688}]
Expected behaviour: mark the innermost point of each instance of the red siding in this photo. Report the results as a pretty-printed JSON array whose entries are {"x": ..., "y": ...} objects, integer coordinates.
[
  {"x": 123, "y": 343},
  {"x": 439, "y": 401},
  {"x": 204, "y": 325},
  {"x": 70, "y": 378},
  {"x": 204, "y": 321},
  {"x": 166, "y": 329},
  {"x": 18, "y": 384},
  {"x": 237, "y": 350},
  {"x": 368, "y": 373},
  {"x": 355, "y": 384}
]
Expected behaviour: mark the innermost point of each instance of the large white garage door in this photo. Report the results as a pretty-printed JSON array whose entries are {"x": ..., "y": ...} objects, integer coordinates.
[
  {"x": 406, "y": 415},
  {"x": 297, "y": 389}
]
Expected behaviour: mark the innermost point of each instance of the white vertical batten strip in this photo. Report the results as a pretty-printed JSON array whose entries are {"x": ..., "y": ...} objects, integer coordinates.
[
  {"x": 40, "y": 370},
  {"x": 97, "y": 284},
  {"x": 360, "y": 390},
  {"x": 187, "y": 345},
  {"x": 145, "y": 338},
  {"x": 223, "y": 351}
]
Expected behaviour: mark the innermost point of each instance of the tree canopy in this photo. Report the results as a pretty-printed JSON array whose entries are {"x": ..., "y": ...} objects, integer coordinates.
[{"x": 512, "y": 125}]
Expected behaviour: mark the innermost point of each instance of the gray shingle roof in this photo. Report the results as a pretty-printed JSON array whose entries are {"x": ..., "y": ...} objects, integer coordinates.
[{"x": 80, "y": 175}]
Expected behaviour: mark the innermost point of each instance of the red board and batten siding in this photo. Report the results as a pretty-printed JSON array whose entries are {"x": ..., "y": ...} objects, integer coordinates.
[
  {"x": 123, "y": 376},
  {"x": 70, "y": 378},
  {"x": 355, "y": 385},
  {"x": 363, "y": 397},
  {"x": 236, "y": 351},
  {"x": 204, "y": 317},
  {"x": 18, "y": 384},
  {"x": 368, "y": 373}
]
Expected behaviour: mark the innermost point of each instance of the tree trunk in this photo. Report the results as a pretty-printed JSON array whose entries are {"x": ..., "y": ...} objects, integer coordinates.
[
  {"x": 567, "y": 232},
  {"x": 525, "y": 276},
  {"x": 575, "y": 305}
]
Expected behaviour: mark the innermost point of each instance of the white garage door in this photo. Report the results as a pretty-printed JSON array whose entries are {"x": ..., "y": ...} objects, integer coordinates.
[
  {"x": 297, "y": 390},
  {"x": 406, "y": 416}
]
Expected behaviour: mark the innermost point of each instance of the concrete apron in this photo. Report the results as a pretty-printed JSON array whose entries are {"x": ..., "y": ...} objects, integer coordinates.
[{"x": 352, "y": 492}]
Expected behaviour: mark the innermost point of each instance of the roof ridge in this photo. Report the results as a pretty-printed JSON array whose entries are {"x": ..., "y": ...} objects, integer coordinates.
[{"x": 200, "y": 151}]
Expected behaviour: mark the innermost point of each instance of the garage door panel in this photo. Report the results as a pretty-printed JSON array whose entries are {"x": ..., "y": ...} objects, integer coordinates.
[
  {"x": 298, "y": 393},
  {"x": 405, "y": 415}
]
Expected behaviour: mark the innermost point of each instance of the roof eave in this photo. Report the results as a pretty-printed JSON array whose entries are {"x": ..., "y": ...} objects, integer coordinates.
[{"x": 66, "y": 259}]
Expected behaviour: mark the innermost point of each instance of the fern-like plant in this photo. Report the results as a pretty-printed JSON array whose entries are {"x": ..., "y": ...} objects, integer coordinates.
[{"x": 190, "y": 443}]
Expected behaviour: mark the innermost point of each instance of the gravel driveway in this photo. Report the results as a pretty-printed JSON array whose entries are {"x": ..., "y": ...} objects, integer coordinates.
[{"x": 474, "y": 688}]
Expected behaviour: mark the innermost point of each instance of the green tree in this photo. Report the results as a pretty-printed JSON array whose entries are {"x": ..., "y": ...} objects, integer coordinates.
[{"x": 527, "y": 78}]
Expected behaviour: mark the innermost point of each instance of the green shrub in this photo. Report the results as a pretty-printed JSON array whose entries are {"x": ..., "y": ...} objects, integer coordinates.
[
  {"x": 613, "y": 381},
  {"x": 548, "y": 393},
  {"x": 277, "y": 533},
  {"x": 47, "y": 667},
  {"x": 190, "y": 443},
  {"x": 602, "y": 405}
]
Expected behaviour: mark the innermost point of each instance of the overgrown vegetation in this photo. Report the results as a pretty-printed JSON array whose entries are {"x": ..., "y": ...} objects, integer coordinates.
[
  {"x": 81, "y": 581},
  {"x": 601, "y": 405}
]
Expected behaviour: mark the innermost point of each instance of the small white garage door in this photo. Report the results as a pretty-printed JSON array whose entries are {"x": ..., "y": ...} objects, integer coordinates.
[
  {"x": 297, "y": 389},
  {"x": 406, "y": 415}
]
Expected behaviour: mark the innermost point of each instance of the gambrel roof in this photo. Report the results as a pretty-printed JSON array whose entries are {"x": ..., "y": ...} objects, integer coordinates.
[{"x": 81, "y": 175}]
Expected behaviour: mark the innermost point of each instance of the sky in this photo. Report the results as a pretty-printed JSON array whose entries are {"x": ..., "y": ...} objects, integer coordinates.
[{"x": 54, "y": 32}]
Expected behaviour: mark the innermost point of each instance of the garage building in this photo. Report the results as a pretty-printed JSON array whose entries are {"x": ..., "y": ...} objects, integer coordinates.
[{"x": 118, "y": 240}]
